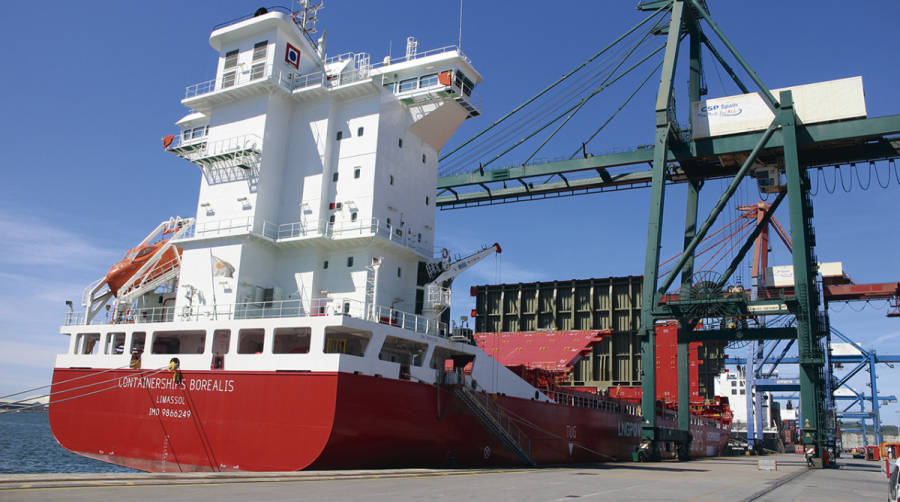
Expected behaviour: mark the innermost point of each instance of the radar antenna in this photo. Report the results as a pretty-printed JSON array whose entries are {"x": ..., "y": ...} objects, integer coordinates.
[{"x": 307, "y": 15}]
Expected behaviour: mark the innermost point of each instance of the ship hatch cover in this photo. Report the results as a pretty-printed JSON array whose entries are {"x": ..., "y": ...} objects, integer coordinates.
[{"x": 551, "y": 351}]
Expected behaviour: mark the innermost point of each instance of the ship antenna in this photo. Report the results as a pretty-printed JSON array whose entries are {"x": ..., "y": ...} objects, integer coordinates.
[
  {"x": 308, "y": 15},
  {"x": 459, "y": 40}
]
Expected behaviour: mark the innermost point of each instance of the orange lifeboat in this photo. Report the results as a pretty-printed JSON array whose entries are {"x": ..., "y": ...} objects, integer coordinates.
[{"x": 135, "y": 258}]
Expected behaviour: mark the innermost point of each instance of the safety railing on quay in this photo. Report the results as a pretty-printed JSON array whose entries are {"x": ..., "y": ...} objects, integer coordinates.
[{"x": 271, "y": 310}]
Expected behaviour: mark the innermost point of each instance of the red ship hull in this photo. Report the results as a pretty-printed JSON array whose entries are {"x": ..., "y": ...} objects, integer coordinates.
[{"x": 284, "y": 421}]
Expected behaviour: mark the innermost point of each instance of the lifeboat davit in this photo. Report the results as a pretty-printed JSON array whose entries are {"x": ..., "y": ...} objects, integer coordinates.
[{"x": 135, "y": 258}]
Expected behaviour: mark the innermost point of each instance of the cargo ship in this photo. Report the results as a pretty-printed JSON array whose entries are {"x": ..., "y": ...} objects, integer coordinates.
[{"x": 299, "y": 320}]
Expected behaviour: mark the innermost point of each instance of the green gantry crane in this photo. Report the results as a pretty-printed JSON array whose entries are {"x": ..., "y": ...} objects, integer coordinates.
[{"x": 676, "y": 157}]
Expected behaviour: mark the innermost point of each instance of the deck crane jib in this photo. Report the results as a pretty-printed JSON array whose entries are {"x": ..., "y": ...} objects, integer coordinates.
[{"x": 442, "y": 273}]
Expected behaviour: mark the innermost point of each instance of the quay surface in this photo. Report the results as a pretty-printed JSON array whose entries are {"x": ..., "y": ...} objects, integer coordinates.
[{"x": 731, "y": 479}]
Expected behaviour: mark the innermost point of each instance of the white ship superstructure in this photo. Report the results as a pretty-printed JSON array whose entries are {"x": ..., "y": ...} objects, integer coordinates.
[
  {"x": 316, "y": 205},
  {"x": 297, "y": 320},
  {"x": 314, "y": 170}
]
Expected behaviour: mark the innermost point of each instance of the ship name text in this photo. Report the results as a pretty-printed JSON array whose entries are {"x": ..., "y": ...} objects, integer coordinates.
[
  {"x": 189, "y": 384},
  {"x": 629, "y": 429}
]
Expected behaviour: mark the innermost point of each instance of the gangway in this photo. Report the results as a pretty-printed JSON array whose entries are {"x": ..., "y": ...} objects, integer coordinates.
[{"x": 494, "y": 418}]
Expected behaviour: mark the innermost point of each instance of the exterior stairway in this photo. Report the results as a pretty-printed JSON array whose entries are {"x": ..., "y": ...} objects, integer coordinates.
[{"x": 496, "y": 420}]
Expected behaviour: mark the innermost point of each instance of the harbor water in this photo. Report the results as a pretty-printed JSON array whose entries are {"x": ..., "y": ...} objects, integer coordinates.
[{"x": 27, "y": 446}]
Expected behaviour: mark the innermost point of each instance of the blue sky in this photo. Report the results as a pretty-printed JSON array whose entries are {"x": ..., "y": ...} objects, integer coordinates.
[{"x": 90, "y": 88}]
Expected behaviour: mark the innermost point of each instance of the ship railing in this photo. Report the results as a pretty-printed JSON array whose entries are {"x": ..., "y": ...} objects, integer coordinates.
[
  {"x": 405, "y": 320},
  {"x": 224, "y": 146},
  {"x": 347, "y": 76},
  {"x": 419, "y": 55},
  {"x": 75, "y": 318},
  {"x": 270, "y": 310},
  {"x": 233, "y": 226},
  {"x": 322, "y": 228},
  {"x": 180, "y": 141},
  {"x": 241, "y": 76},
  {"x": 291, "y": 81},
  {"x": 347, "y": 229},
  {"x": 592, "y": 402}
]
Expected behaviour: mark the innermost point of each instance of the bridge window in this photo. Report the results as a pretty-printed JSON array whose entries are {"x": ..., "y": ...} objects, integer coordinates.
[
  {"x": 342, "y": 340},
  {"x": 228, "y": 79},
  {"x": 137, "y": 341},
  {"x": 86, "y": 343},
  {"x": 428, "y": 80},
  {"x": 260, "y": 49},
  {"x": 464, "y": 83},
  {"x": 115, "y": 343},
  {"x": 291, "y": 341},
  {"x": 408, "y": 84},
  {"x": 221, "y": 341},
  {"x": 447, "y": 358},
  {"x": 250, "y": 341},
  {"x": 405, "y": 352},
  {"x": 359, "y": 131},
  {"x": 231, "y": 58},
  {"x": 356, "y": 172},
  {"x": 257, "y": 71},
  {"x": 178, "y": 342}
]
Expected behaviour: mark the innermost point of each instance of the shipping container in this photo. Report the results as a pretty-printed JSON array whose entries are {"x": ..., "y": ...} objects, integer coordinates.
[{"x": 813, "y": 103}]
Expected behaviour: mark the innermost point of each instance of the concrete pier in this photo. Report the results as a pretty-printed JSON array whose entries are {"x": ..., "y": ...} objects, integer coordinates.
[{"x": 730, "y": 479}]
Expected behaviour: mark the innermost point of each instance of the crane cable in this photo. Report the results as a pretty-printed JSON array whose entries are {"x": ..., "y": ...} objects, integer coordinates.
[
  {"x": 622, "y": 106},
  {"x": 547, "y": 106},
  {"x": 583, "y": 100},
  {"x": 608, "y": 76},
  {"x": 550, "y": 105},
  {"x": 560, "y": 80}
]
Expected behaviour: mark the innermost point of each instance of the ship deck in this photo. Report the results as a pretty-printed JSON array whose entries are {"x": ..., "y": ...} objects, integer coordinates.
[{"x": 722, "y": 478}]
